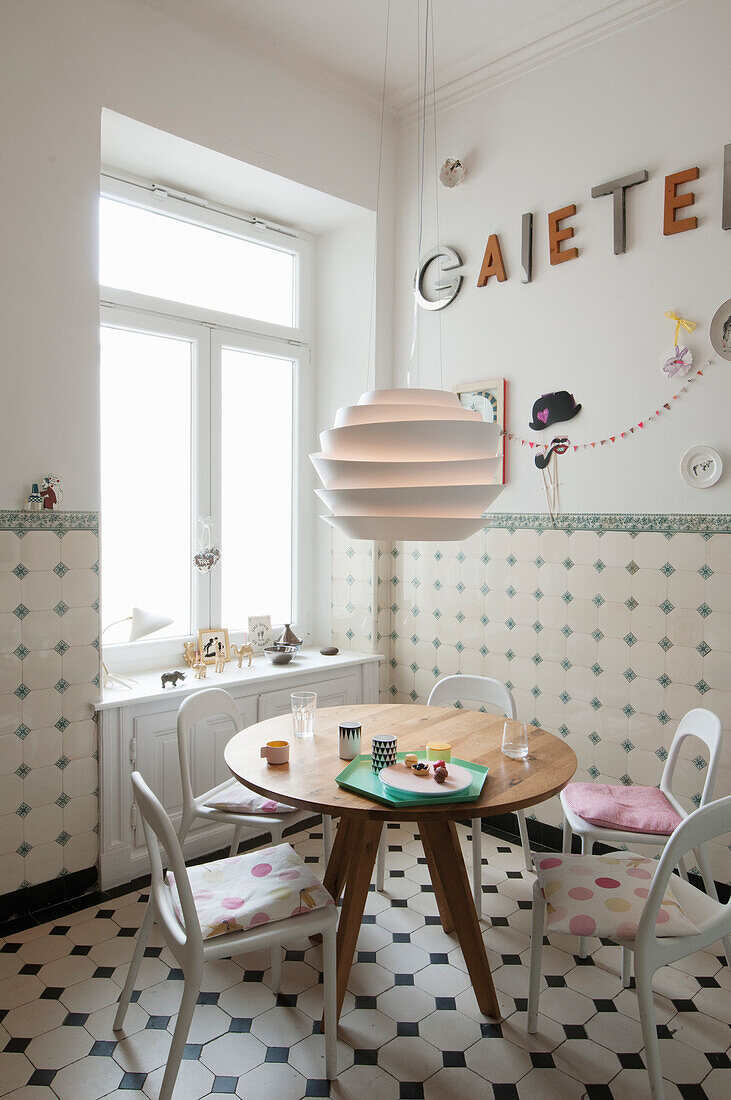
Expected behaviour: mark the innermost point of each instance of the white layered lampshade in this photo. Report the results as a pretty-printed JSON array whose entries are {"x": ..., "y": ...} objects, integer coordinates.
[{"x": 408, "y": 464}]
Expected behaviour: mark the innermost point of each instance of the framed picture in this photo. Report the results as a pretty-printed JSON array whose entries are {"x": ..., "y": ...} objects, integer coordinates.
[
  {"x": 213, "y": 641},
  {"x": 721, "y": 330},
  {"x": 488, "y": 399},
  {"x": 260, "y": 632}
]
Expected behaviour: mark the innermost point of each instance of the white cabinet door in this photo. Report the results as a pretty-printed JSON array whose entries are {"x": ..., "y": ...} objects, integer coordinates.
[{"x": 336, "y": 691}]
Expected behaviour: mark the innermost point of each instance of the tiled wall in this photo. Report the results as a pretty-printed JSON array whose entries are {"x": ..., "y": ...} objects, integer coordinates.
[
  {"x": 607, "y": 630},
  {"x": 49, "y": 682}
]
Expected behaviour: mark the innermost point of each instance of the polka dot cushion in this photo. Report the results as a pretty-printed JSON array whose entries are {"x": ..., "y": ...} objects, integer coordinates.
[
  {"x": 604, "y": 896},
  {"x": 237, "y": 799},
  {"x": 245, "y": 891}
]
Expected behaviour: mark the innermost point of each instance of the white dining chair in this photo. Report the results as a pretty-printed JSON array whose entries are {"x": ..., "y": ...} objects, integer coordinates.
[
  {"x": 699, "y": 723},
  {"x": 229, "y": 803},
  {"x": 486, "y": 692},
  {"x": 710, "y": 916},
  {"x": 180, "y": 898}
]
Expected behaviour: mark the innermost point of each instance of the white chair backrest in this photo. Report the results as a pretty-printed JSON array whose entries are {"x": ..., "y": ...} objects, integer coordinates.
[
  {"x": 706, "y": 726},
  {"x": 707, "y": 823},
  {"x": 199, "y": 707},
  {"x": 159, "y": 832},
  {"x": 477, "y": 689}
]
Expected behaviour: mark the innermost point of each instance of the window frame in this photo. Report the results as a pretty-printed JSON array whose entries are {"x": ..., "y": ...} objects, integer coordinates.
[{"x": 210, "y": 331}]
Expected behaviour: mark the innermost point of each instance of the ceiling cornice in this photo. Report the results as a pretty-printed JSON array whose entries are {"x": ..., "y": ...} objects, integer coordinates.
[{"x": 457, "y": 88}]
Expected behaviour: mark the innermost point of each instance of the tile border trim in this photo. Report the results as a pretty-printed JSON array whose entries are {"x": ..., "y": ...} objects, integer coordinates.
[
  {"x": 20, "y": 521},
  {"x": 672, "y": 523}
]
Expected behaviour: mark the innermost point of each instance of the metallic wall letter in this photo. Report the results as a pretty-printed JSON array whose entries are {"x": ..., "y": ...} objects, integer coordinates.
[
  {"x": 449, "y": 260},
  {"x": 492, "y": 262},
  {"x": 726, "y": 207},
  {"x": 618, "y": 189},
  {"x": 556, "y": 235},
  {"x": 526, "y": 248},
  {"x": 674, "y": 201}
]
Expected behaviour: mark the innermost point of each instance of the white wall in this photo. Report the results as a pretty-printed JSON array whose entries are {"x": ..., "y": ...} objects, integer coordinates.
[
  {"x": 655, "y": 96},
  {"x": 60, "y": 65}
]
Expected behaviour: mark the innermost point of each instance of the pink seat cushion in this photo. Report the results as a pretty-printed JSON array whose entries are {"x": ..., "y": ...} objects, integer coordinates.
[{"x": 630, "y": 809}]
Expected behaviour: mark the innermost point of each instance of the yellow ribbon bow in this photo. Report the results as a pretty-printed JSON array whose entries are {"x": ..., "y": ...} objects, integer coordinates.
[{"x": 687, "y": 325}]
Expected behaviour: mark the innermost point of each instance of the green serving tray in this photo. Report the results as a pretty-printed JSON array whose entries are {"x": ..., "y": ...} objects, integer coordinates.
[{"x": 359, "y": 777}]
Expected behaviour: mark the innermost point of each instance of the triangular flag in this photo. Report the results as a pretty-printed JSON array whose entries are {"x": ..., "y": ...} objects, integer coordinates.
[
  {"x": 641, "y": 424},
  {"x": 576, "y": 448},
  {"x": 631, "y": 431},
  {"x": 666, "y": 405},
  {"x": 531, "y": 445},
  {"x": 612, "y": 437},
  {"x": 623, "y": 435}
]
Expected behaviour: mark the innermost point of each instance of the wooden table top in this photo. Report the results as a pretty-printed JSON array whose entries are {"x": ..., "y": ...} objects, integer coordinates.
[{"x": 308, "y": 780}]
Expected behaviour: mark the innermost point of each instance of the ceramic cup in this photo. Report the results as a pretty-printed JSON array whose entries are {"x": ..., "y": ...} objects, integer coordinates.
[
  {"x": 439, "y": 750},
  {"x": 383, "y": 751},
  {"x": 349, "y": 740},
  {"x": 276, "y": 752}
]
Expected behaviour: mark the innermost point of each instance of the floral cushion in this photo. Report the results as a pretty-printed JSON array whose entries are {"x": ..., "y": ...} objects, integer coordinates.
[
  {"x": 245, "y": 891},
  {"x": 604, "y": 896},
  {"x": 634, "y": 809},
  {"x": 237, "y": 799}
]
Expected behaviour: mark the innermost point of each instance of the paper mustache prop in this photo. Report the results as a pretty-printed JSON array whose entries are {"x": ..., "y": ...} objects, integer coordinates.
[{"x": 560, "y": 444}]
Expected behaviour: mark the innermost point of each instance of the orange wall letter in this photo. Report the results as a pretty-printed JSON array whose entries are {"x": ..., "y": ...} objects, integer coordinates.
[
  {"x": 492, "y": 262},
  {"x": 674, "y": 201},
  {"x": 556, "y": 235}
]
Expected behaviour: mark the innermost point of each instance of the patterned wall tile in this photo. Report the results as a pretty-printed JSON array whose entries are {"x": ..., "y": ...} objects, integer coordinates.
[
  {"x": 608, "y": 628},
  {"x": 49, "y": 682}
]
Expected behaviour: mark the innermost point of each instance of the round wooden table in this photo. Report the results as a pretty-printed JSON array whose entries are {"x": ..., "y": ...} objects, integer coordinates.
[{"x": 308, "y": 781}]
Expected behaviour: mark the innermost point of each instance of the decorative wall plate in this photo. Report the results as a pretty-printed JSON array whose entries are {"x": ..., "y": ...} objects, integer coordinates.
[
  {"x": 701, "y": 467},
  {"x": 721, "y": 330}
]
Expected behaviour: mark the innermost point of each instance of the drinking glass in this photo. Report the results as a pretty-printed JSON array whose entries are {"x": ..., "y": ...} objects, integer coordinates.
[
  {"x": 515, "y": 739},
  {"x": 304, "y": 704}
]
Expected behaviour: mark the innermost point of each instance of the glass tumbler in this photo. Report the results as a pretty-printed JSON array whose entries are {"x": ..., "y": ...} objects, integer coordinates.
[
  {"x": 304, "y": 704},
  {"x": 515, "y": 739}
]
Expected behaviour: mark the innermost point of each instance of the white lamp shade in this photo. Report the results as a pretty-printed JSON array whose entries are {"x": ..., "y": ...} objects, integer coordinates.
[
  {"x": 408, "y": 464},
  {"x": 146, "y": 622}
]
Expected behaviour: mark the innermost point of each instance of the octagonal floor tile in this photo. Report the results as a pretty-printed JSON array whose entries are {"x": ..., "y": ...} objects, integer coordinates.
[
  {"x": 409, "y": 1058},
  {"x": 233, "y": 1054},
  {"x": 59, "y": 1047}
]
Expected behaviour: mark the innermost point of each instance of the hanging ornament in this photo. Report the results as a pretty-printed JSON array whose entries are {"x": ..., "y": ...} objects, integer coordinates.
[
  {"x": 452, "y": 172},
  {"x": 680, "y": 360},
  {"x": 207, "y": 555}
]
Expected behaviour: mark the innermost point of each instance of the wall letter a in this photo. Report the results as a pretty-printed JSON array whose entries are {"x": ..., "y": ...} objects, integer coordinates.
[{"x": 492, "y": 262}]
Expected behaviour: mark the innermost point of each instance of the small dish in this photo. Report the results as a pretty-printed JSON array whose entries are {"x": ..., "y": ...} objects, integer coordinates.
[
  {"x": 701, "y": 467},
  {"x": 280, "y": 654}
]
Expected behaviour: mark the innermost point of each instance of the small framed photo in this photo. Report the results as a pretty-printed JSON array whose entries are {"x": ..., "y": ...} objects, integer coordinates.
[
  {"x": 488, "y": 399},
  {"x": 213, "y": 643},
  {"x": 260, "y": 632}
]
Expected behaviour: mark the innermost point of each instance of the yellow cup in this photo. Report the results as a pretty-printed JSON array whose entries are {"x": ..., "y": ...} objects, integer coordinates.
[
  {"x": 439, "y": 750},
  {"x": 275, "y": 752}
]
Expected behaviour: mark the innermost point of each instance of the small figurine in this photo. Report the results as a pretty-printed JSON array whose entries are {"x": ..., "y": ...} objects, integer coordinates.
[
  {"x": 200, "y": 666},
  {"x": 171, "y": 678},
  {"x": 220, "y": 662},
  {"x": 411, "y": 759},
  {"x": 50, "y": 491},
  {"x": 440, "y": 773},
  {"x": 421, "y": 768},
  {"x": 189, "y": 653},
  {"x": 241, "y": 651}
]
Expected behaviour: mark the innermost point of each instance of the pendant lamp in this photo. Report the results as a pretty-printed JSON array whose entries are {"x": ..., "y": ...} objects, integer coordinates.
[{"x": 408, "y": 464}]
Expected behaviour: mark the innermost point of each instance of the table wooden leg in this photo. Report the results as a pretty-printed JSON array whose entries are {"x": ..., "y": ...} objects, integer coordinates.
[
  {"x": 362, "y": 857},
  {"x": 441, "y": 836},
  {"x": 442, "y": 904},
  {"x": 337, "y": 866}
]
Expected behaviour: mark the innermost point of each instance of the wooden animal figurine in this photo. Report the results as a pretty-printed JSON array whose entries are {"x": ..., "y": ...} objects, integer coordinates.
[
  {"x": 220, "y": 662},
  {"x": 241, "y": 651},
  {"x": 200, "y": 666},
  {"x": 189, "y": 653},
  {"x": 171, "y": 678}
]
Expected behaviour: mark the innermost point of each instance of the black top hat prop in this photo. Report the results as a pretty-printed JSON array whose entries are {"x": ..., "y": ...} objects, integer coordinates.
[{"x": 552, "y": 408}]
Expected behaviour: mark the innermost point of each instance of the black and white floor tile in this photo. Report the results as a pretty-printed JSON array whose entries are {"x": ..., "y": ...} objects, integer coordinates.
[{"x": 410, "y": 1026}]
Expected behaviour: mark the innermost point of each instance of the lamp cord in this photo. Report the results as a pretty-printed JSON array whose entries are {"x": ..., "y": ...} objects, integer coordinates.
[
  {"x": 414, "y": 353},
  {"x": 371, "y": 323}
]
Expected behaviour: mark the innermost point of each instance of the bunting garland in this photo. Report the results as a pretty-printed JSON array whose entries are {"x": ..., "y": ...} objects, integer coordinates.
[{"x": 639, "y": 425}]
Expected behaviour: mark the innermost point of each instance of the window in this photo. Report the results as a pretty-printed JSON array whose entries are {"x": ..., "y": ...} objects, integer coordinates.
[{"x": 201, "y": 411}]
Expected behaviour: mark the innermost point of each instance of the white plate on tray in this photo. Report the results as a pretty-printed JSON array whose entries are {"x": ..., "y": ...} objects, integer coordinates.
[{"x": 397, "y": 777}]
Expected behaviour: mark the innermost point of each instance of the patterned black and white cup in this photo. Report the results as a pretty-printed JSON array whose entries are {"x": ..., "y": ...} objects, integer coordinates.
[
  {"x": 349, "y": 740},
  {"x": 383, "y": 751}
]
